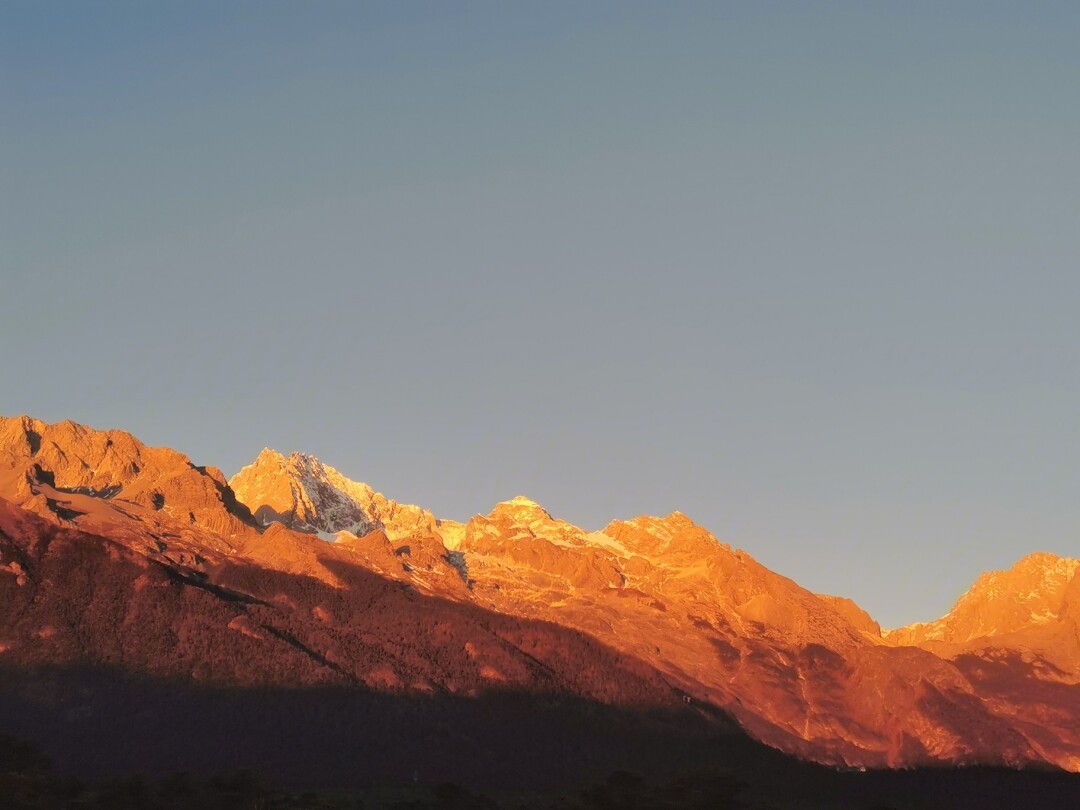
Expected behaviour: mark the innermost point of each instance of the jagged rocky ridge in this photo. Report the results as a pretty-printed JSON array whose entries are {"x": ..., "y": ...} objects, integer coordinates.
[
  {"x": 114, "y": 552},
  {"x": 304, "y": 494}
]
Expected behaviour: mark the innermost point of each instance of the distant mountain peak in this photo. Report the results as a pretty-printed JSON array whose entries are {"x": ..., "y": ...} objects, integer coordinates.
[
  {"x": 521, "y": 500},
  {"x": 140, "y": 561},
  {"x": 70, "y": 458},
  {"x": 305, "y": 494},
  {"x": 521, "y": 507},
  {"x": 1030, "y": 593}
]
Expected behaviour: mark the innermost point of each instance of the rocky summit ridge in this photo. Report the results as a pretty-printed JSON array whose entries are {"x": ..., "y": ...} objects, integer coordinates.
[
  {"x": 304, "y": 494},
  {"x": 113, "y": 551}
]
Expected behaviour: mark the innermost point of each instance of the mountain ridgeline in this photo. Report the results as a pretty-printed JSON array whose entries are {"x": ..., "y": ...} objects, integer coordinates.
[{"x": 120, "y": 558}]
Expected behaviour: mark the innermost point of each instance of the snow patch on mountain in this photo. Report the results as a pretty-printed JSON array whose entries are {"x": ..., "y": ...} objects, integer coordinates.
[{"x": 306, "y": 495}]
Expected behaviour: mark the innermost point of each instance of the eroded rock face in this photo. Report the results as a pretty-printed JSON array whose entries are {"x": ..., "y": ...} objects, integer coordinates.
[
  {"x": 804, "y": 673},
  {"x": 309, "y": 496},
  {"x": 74, "y": 597},
  {"x": 858, "y": 617},
  {"x": 1016, "y": 637},
  {"x": 74, "y": 459},
  {"x": 1040, "y": 590},
  {"x": 650, "y": 609}
]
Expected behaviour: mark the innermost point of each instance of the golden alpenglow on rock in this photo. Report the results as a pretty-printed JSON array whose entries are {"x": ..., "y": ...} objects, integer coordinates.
[{"x": 291, "y": 569}]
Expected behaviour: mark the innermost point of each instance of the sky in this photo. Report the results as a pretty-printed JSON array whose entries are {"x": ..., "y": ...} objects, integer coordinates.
[{"x": 806, "y": 272}]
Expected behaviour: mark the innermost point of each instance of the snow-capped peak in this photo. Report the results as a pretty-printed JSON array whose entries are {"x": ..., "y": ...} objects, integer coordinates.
[{"x": 305, "y": 494}]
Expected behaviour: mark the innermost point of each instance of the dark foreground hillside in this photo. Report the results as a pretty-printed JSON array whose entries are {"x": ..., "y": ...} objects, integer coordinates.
[{"x": 103, "y": 738}]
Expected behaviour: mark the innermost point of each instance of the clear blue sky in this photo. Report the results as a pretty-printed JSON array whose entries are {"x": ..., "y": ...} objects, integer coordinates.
[{"x": 809, "y": 273}]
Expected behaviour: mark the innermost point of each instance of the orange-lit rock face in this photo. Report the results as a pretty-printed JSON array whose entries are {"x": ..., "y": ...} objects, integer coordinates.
[
  {"x": 808, "y": 674},
  {"x": 36, "y": 457},
  {"x": 80, "y": 597},
  {"x": 858, "y": 617},
  {"x": 305, "y": 494},
  {"x": 1040, "y": 591},
  {"x": 644, "y": 610},
  {"x": 1016, "y": 636},
  {"x": 1031, "y": 611}
]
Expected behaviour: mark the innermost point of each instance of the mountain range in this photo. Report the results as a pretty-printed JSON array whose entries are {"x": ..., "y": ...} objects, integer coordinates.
[{"x": 134, "y": 560}]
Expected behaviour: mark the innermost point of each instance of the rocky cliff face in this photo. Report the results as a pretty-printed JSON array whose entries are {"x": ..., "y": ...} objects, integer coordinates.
[
  {"x": 67, "y": 458},
  {"x": 1015, "y": 635},
  {"x": 804, "y": 673},
  {"x": 647, "y": 611},
  {"x": 1038, "y": 591},
  {"x": 304, "y": 494}
]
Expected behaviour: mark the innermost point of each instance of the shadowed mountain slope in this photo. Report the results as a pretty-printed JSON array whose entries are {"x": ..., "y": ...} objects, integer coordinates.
[{"x": 117, "y": 555}]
